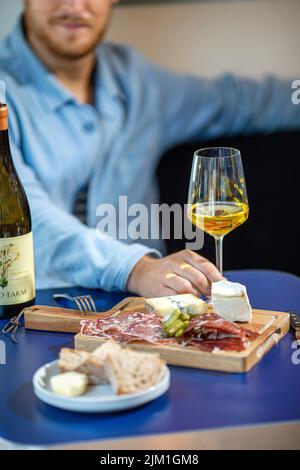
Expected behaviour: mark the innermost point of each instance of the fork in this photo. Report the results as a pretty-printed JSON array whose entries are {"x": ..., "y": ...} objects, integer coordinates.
[{"x": 85, "y": 303}]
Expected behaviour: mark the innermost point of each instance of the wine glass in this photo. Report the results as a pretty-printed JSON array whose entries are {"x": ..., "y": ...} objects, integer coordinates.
[{"x": 217, "y": 201}]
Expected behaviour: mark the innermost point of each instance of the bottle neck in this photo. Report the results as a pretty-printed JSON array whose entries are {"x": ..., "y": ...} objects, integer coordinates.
[{"x": 5, "y": 154}]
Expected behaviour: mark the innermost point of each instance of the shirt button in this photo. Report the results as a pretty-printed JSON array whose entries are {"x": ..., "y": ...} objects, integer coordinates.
[{"x": 88, "y": 127}]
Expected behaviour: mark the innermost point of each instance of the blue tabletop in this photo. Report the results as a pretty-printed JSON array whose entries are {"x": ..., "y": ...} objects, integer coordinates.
[{"x": 197, "y": 399}]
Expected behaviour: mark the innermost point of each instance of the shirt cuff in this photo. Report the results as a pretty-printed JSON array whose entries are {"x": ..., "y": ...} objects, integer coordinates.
[{"x": 116, "y": 274}]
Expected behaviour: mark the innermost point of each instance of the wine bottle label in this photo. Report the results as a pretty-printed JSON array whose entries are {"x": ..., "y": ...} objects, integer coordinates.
[{"x": 16, "y": 270}]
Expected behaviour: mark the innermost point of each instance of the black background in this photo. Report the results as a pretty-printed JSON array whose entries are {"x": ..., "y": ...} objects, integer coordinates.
[{"x": 270, "y": 237}]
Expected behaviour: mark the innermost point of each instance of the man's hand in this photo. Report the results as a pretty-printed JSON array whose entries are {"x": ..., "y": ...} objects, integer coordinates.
[{"x": 184, "y": 272}]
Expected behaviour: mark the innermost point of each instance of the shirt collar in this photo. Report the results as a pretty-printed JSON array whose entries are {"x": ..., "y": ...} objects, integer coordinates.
[
  {"x": 55, "y": 94},
  {"x": 105, "y": 77}
]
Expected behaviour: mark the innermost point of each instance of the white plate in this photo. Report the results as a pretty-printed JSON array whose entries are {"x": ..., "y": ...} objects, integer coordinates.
[{"x": 98, "y": 398}]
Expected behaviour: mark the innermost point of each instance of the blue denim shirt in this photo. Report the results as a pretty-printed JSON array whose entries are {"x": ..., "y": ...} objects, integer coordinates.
[{"x": 59, "y": 145}]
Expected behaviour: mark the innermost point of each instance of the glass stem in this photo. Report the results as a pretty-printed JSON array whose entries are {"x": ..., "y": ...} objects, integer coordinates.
[{"x": 219, "y": 253}]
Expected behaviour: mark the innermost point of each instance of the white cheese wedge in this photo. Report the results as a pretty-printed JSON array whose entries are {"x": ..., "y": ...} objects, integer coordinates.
[
  {"x": 230, "y": 301},
  {"x": 187, "y": 303},
  {"x": 69, "y": 384}
]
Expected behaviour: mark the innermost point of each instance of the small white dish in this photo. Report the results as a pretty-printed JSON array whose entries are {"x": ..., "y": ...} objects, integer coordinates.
[{"x": 98, "y": 398}]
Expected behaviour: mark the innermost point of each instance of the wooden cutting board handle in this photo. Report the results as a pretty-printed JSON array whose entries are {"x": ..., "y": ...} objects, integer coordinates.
[
  {"x": 45, "y": 309},
  {"x": 42, "y": 317}
]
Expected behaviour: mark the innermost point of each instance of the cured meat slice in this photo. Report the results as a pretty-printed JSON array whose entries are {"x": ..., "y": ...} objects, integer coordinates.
[
  {"x": 210, "y": 332},
  {"x": 225, "y": 344},
  {"x": 137, "y": 326},
  {"x": 213, "y": 327}
]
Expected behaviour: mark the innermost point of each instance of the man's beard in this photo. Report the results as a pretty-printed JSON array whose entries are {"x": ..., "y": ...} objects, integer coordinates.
[
  {"x": 67, "y": 53},
  {"x": 59, "y": 50}
]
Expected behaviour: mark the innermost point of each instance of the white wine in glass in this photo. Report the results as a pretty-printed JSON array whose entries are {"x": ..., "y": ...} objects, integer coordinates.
[{"x": 218, "y": 200}]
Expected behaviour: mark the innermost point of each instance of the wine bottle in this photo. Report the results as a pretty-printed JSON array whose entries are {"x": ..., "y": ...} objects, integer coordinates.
[{"x": 17, "y": 289}]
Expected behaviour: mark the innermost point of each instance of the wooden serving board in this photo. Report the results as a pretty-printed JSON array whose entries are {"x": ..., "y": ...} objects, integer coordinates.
[{"x": 271, "y": 326}]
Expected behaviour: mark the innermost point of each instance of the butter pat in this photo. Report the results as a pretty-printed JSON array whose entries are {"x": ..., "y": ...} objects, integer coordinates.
[
  {"x": 230, "y": 301},
  {"x": 187, "y": 303},
  {"x": 69, "y": 384}
]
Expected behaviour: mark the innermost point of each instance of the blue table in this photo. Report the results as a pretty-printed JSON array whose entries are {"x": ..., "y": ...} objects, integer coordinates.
[{"x": 196, "y": 400}]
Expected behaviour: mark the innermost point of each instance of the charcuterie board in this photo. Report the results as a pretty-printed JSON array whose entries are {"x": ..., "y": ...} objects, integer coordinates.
[{"x": 272, "y": 326}]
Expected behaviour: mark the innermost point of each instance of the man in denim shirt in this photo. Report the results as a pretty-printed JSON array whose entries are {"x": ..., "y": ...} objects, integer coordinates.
[{"x": 87, "y": 113}]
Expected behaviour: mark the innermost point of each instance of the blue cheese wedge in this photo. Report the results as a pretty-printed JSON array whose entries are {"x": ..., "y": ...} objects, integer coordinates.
[
  {"x": 186, "y": 303},
  {"x": 230, "y": 301}
]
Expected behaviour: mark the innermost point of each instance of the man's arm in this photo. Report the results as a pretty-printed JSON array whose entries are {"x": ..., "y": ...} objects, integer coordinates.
[
  {"x": 191, "y": 108},
  {"x": 66, "y": 248},
  {"x": 74, "y": 253}
]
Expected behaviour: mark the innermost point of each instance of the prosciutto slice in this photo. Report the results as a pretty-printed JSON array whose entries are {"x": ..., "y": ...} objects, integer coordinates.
[
  {"x": 226, "y": 344},
  {"x": 209, "y": 332}
]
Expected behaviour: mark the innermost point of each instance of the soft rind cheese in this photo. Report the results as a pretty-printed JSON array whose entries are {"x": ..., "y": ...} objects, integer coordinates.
[
  {"x": 69, "y": 384},
  {"x": 187, "y": 303},
  {"x": 230, "y": 301}
]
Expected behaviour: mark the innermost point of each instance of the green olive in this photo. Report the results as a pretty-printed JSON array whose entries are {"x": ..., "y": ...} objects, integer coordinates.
[
  {"x": 179, "y": 333},
  {"x": 178, "y": 324}
]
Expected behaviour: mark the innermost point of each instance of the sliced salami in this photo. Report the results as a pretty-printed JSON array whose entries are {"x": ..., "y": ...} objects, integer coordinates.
[{"x": 125, "y": 328}]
